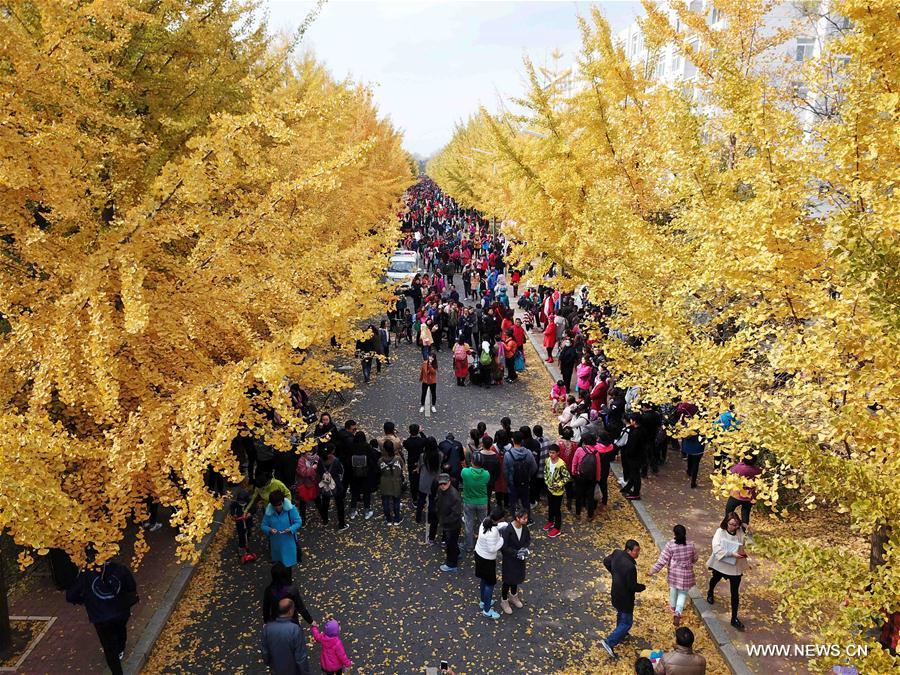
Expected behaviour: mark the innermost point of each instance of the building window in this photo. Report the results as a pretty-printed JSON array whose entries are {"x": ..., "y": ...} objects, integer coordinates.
[
  {"x": 634, "y": 44},
  {"x": 714, "y": 16},
  {"x": 805, "y": 48}
]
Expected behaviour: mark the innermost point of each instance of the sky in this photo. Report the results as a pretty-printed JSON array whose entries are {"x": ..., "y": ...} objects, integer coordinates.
[{"x": 431, "y": 64}]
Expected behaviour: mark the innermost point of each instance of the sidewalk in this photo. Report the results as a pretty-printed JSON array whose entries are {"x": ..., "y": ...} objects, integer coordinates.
[
  {"x": 70, "y": 645},
  {"x": 667, "y": 499}
]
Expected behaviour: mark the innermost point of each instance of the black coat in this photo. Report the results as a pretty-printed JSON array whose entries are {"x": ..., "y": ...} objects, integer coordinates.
[
  {"x": 449, "y": 508},
  {"x": 624, "y": 580},
  {"x": 513, "y": 568}
]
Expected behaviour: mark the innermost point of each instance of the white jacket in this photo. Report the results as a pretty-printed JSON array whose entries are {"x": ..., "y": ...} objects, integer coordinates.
[
  {"x": 489, "y": 543},
  {"x": 724, "y": 547}
]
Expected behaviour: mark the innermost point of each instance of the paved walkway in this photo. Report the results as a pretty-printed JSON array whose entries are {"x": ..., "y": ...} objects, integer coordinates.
[
  {"x": 71, "y": 644},
  {"x": 669, "y": 500}
]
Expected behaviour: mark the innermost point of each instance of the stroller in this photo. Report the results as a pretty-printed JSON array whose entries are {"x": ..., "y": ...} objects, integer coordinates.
[{"x": 243, "y": 523}]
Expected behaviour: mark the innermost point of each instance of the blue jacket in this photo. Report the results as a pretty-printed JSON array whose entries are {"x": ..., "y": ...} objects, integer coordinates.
[
  {"x": 283, "y": 546},
  {"x": 107, "y": 594},
  {"x": 692, "y": 445},
  {"x": 284, "y": 648}
]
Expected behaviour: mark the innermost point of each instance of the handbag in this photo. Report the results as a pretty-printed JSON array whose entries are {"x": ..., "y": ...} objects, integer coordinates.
[
  {"x": 598, "y": 493},
  {"x": 519, "y": 362}
]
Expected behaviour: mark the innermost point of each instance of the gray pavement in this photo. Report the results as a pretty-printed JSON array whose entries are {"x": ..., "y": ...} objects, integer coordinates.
[{"x": 399, "y": 613}]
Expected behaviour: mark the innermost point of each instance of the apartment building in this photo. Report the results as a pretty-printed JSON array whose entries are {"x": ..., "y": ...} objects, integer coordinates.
[{"x": 810, "y": 22}]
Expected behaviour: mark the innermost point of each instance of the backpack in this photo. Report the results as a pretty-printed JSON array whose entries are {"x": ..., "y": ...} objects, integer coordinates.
[
  {"x": 587, "y": 467},
  {"x": 520, "y": 473},
  {"x": 360, "y": 466},
  {"x": 484, "y": 359}
]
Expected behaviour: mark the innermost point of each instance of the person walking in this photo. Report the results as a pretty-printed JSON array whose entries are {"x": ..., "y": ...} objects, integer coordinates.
[
  {"x": 515, "y": 551},
  {"x": 693, "y": 447},
  {"x": 744, "y": 496},
  {"x": 281, "y": 587},
  {"x": 682, "y": 660},
  {"x": 108, "y": 594},
  {"x": 283, "y": 644},
  {"x": 333, "y": 657},
  {"x": 475, "y": 481},
  {"x": 426, "y": 339},
  {"x": 367, "y": 350},
  {"x": 332, "y": 486},
  {"x": 385, "y": 335},
  {"x": 728, "y": 561},
  {"x": 679, "y": 555},
  {"x": 623, "y": 568},
  {"x": 391, "y": 484},
  {"x": 280, "y": 524},
  {"x": 363, "y": 469},
  {"x": 556, "y": 476},
  {"x": 487, "y": 546},
  {"x": 461, "y": 353},
  {"x": 519, "y": 466},
  {"x": 428, "y": 378},
  {"x": 449, "y": 513},
  {"x": 631, "y": 446}
]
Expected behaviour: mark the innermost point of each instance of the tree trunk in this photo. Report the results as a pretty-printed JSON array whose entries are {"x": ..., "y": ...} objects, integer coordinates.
[
  {"x": 877, "y": 546},
  {"x": 5, "y": 630}
]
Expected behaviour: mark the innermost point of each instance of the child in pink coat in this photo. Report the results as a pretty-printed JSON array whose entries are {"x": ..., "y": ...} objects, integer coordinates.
[
  {"x": 333, "y": 658},
  {"x": 558, "y": 395}
]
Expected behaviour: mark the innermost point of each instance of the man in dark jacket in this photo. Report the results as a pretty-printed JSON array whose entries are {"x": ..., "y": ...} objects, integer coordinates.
[
  {"x": 623, "y": 568},
  {"x": 343, "y": 442},
  {"x": 449, "y": 513},
  {"x": 650, "y": 423},
  {"x": 283, "y": 646},
  {"x": 414, "y": 446},
  {"x": 452, "y": 456},
  {"x": 107, "y": 594},
  {"x": 631, "y": 444}
]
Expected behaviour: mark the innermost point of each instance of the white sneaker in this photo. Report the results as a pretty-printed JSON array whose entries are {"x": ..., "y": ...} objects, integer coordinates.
[
  {"x": 421, "y": 408},
  {"x": 433, "y": 409},
  {"x": 153, "y": 528},
  {"x": 369, "y": 514},
  {"x": 353, "y": 514}
]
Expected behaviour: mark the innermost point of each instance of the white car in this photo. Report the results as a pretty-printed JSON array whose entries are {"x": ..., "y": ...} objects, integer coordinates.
[{"x": 403, "y": 268}]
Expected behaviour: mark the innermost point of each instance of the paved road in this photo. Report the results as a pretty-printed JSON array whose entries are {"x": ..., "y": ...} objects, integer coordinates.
[{"x": 398, "y": 611}]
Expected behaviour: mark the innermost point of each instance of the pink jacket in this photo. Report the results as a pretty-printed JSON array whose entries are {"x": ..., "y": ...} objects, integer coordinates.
[
  {"x": 680, "y": 560},
  {"x": 749, "y": 472},
  {"x": 598, "y": 449},
  {"x": 558, "y": 393},
  {"x": 584, "y": 373},
  {"x": 333, "y": 656}
]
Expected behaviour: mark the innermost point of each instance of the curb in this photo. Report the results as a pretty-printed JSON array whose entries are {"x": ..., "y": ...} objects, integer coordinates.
[
  {"x": 715, "y": 627},
  {"x": 142, "y": 648}
]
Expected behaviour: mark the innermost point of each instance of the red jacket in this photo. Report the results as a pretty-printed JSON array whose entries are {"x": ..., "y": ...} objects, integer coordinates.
[
  {"x": 598, "y": 395},
  {"x": 519, "y": 335}
]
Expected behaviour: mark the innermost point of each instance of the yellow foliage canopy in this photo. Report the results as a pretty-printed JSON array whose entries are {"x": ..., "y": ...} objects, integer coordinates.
[
  {"x": 186, "y": 214},
  {"x": 746, "y": 233}
]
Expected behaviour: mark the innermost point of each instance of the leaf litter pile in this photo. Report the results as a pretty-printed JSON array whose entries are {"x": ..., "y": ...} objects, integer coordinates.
[{"x": 398, "y": 612}]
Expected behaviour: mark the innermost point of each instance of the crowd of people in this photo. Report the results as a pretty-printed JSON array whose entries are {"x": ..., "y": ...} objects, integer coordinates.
[{"x": 479, "y": 495}]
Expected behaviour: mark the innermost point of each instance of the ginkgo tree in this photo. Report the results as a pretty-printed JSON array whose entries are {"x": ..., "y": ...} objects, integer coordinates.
[
  {"x": 189, "y": 213},
  {"x": 744, "y": 228}
]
